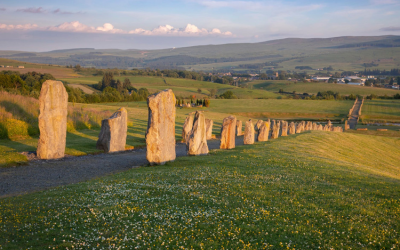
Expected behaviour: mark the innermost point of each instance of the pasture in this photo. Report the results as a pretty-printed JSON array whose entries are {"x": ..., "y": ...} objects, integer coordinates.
[
  {"x": 312, "y": 190},
  {"x": 381, "y": 111},
  {"x": 181, "y": 87},
  {"x": 314, "y": 88}
]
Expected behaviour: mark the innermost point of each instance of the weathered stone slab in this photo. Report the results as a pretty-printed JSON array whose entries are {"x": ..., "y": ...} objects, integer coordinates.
[
  {"x": 112, "y": 137},
  {"x": 160, "y": 134},
  {"x": 263, "y": 133},
  {"x": 314, "y": 126},
  {"x": 249, "y": 133},
  {"x": 346, "y": 125},
  {"x": 299, "y": 127},
  {"x": 53, "y": 106},
  {"x": 258, "y": 125},
  {"x": 292, "y": 128},
  {"x": 197, "y": 140},
  {"x": 239, "y": 128},
  {"x": 362, "y": 129},
  {"x": 320, "y": 127},
  {"x": 187, "y": 127},
  {"x": 209, "y": 128},
  {"x": 284, "y": 128},
  {"x": 228, "y": 130},
  {"x": 275, "y": 130},
  {"x": 381, "y": 129}
]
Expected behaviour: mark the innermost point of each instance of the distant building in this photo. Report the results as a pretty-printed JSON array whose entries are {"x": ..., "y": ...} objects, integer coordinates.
[
  {"x": 320, "y": 79},
  {"x": 1, "y": 66},
  {"x": 21, "y": 67}
]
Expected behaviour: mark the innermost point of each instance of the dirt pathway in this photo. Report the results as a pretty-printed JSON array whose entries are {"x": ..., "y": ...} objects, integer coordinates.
[
  {"x": 43, "y": 174},
  {"x": 354, "y": 116}
]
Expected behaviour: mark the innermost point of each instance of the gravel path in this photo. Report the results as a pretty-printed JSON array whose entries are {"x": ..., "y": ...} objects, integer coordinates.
[
  {"x": 354, "y": 115},
  {"x": 43, "y": 174}
]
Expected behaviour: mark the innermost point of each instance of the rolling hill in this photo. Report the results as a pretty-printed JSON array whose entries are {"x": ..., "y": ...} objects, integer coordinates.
[{"x": 342, "y": 53}]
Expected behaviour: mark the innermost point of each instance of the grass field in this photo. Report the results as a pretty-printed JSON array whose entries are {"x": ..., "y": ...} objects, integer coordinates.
[
  {"x": 314, "y": 88},
  {"x": 56, "y": 71},
  {"x": 181, "y": 87},
  {"x": 381, "y": 111},
  {"x": 313, "y": 190}
]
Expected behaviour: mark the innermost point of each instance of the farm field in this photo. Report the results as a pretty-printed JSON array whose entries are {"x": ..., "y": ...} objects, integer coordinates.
[
  {"x": 312, "y": 190},
  {"x": 181, "y": 87},
  {"x": 381, "y": 111},
  {"x": 314, "y": 88},
  {"x": 56, "y": 71}
]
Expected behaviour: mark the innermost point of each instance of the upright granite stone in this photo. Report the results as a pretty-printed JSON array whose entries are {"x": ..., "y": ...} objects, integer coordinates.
[
  {"x": 314, "y": 126},
  {"x": 275, "y": 130},
  {"x": 258, "y": 125},
  {"x": 160, "y": 134},
  {"x": 308, "y": 126},
  {"x": 53, "y": 106},
  {"x": 329, "y": 123},
  {"x": 263, "y": 133},
  {"x": 346, "y": 125},
  {"x": 249, "y": 133},
  {"x": 239, "y": 128},
  {"x": 284, "y": 128},
  {"x": 209, "y": 128},
  {"x": 197, "y": 140},
  {"x": 228, "y": 133},
  {"x": 299, "y": 128},
  {"x": 292, "y": 128},
  {"x": 113, "y": 132},
  {"x": 319, "y": 127},
  {"x": 187, "y": 127}
]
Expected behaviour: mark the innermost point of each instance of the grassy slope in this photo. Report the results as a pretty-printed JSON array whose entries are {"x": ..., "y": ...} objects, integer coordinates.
[
  {"x": 56, "y": 71},
  {"x": 313, "y": 190},
  {"x": 314, "y": 88}
]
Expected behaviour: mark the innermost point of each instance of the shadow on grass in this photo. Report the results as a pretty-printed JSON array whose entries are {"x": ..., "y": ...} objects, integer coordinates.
[{"x": 17, "y": 146}]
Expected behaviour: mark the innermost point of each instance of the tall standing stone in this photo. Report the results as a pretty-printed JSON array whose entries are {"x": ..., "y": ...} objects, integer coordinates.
[
  {"x": 319, "y": 127},
  {"x": 228, "y": 133},
  {"x": 299, "y": 128},
  {"x": 187, "y": 127},
  {"x": 275, "y": 130},
  {"x": 314, "y": 126},
  {"x": 263, "y": 133},
  {"x": 209, "y": 128},
  {"x": 284, "y": 128},
  {"x": 112, "y": 137},
  {"x": 239, "y": 128},
  {"x": 160, "y": 134},
  {"x": 292, "y": 128},
  {"x": 53, "y": 105},
  {"x": 258, "y": 125},
  {"x": 249, "y": 133},
  {"x": 346, "y": 125},
  {"x": 197, "y": 140}
]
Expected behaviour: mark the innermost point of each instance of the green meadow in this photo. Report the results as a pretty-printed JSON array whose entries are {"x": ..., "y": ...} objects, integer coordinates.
[
  {"x": 381, "y": 111},
  {"x": 315, "y": 190},
  {"x": 315, "y": 87}
]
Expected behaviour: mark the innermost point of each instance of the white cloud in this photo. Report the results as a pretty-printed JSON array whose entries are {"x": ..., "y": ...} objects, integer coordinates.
[
  {"x": 162, "y": 30},
  {"x": 18, "y": 26},
  {"x": 189, "y": 30}
]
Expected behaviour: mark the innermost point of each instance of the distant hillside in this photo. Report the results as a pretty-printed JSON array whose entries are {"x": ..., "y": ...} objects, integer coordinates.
[{"x": 342, "y": 53}]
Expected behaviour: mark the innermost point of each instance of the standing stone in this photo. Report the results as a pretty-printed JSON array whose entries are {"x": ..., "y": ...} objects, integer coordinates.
[
  {"x": 228, "y": 133},
  {"x": 298, "y": 128},
  {"x": 346, "y": 125},
  {"x": 249, "y": 133},
  {"x": 275, "y": 130},
  {"x": 113, "y": 132},
  {"x": 319, "y": 127},
  {"x": 239, "y": 128},
  {"x": 308, "y": 126},
  {"x": 209, "y": 128},
  {"x": 329, "y": 123},
  {"x": 314, "y": 126},
  {"x": 197, "y": 140},
  {"x": 187, "y": 127},
  {"x": 263, "y": 133},
  {"x": 258, "y": 125},
  {"x": 53, "y": 105},
  {"x": 292, "y": 128},
  {"x": 284, "y": 128},
  {"x": 160, "y": 134}
]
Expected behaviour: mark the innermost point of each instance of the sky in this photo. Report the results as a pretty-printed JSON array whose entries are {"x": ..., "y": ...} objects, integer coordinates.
[{"x": 42, "y": 25}]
